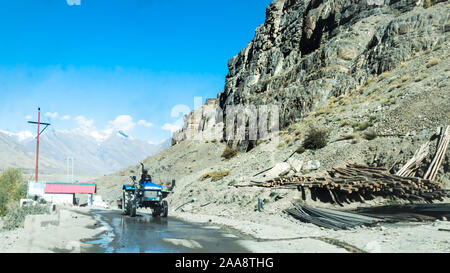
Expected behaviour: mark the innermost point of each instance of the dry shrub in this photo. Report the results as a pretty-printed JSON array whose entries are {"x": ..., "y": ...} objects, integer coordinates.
[
  {"x": 349, "y": 137},
  {"x": 229, "y": 153},
  {"x": 216, "y": 175},
  {"x": 433, "y": 62},
  {"x": 316, "y": 138},
  {"x": 429, "y": 3},
  {"x": 361, "y": 126}
]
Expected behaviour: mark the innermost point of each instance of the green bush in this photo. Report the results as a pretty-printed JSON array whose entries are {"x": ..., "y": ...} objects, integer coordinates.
[
  {"x": 300, "y": 150},
  {"x": 345, "y": 123},
  {"x": 361, "y": 126},
  {"x": 370, "y": 135},
  {"x": 16, "y": 217},
  {"x": 12, "y": 189},
  {"x": 316, "y": 138}
]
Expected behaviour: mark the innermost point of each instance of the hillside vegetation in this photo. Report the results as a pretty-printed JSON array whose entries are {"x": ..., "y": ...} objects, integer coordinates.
[{"x": 12, "y": 188}]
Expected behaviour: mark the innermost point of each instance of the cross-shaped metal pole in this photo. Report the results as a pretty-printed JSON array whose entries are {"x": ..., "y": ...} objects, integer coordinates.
[{"x": 39, "y": 132}]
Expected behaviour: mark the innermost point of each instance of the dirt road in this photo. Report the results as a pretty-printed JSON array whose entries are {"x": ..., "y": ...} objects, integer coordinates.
[
  {"x": 108, "y": 231},
  {"x": 145, "y": 234},
  {"x": 175, "y": 235}
]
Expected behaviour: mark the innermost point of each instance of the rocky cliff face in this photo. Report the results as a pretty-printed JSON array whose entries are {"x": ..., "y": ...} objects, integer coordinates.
[
  {"x": 310, "y": 50},
  {"x": 202, "y": 124}
]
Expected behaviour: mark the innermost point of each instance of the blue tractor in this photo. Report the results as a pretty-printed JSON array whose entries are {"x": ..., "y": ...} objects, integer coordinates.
[{"x": 144, "y": 194}]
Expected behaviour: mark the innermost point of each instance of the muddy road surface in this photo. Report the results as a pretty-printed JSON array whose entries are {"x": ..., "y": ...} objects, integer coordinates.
[{"x": 146, "y": 234}]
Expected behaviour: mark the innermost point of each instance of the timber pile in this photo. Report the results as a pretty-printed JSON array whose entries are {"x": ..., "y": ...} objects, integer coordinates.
[{"x": 359, "y": 183}]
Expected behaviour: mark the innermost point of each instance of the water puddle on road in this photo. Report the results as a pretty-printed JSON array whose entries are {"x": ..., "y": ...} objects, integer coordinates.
[
  {"x": 145, "y": 234},
  {"x": 106, "y": 237}
]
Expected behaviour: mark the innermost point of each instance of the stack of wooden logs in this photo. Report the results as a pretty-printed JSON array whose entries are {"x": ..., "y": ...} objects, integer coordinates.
[{"x": 361, "y": 183}]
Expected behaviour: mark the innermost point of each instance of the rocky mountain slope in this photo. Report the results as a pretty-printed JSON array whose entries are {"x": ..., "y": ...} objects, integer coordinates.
[
  {"x": 376, "y": 76},
  {"x": 13, "y": 154},
  {"x": 95, "y": 157},
  {"x": 309, "y": 51}
]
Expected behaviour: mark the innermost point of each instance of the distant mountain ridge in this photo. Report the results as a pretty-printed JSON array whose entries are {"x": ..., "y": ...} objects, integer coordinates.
[{"x": 90, "y": 155}]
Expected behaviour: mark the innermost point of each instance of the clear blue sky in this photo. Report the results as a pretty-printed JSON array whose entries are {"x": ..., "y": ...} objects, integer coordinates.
[{"x": 97, "y": 60}]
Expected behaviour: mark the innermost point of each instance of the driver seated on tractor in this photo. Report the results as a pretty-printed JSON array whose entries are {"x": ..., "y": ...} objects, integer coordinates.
[{"x": 145, "y": 176}]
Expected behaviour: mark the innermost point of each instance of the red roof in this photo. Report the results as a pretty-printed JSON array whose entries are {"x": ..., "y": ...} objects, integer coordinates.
[{"x": 69, "y": 188}]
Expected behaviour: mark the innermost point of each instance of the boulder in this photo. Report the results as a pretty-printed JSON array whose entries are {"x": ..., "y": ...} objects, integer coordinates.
[
  {"x": 311, "y": 165},
  {"x": 296, "y": 164},
  {"x": 280, "y": 169}
]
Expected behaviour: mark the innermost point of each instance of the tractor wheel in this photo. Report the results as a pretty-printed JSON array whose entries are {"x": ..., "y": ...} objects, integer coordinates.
[
  {"x": 133, "y": 205},
  {"x": 126, "y": 202},
  {"x": 156, "y": 212},
  {"x": 165, "y": 209}
]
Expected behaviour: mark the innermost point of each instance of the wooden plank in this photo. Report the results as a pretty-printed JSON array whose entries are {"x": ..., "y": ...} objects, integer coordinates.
[
  {"x": 414, "y": 163},
  {"x": 438, "y": 157}
]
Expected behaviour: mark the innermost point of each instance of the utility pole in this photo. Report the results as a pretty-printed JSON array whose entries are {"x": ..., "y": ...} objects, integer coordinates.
[
  {"x": 38, "y": 134},
  {"x": 69, "y": 161}
]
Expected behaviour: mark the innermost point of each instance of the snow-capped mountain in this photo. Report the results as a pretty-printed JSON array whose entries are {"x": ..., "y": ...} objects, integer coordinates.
[
  {"x": 90, "y": 155},
  {"x": 14, "y": 154},
  {"x": 23, "y": 136}
]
